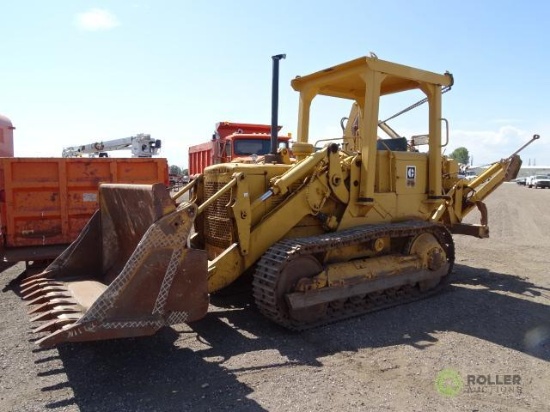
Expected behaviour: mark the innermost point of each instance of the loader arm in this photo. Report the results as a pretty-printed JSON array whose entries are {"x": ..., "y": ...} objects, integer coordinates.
[{"x": 254, "y": 241}]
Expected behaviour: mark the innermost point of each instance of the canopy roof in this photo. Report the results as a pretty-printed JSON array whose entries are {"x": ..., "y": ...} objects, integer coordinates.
[{"x": 346, "y": 80}]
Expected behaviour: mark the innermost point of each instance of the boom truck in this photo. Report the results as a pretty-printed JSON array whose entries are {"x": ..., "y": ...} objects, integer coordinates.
[
  {"x": 340, "y": 232},
  {"x": 141, "y": 145},
  {"x": 233, "y": 142}
]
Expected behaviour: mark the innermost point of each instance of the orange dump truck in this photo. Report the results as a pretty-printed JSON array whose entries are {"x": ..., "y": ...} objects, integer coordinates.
[
  {"x": 45, "y": 202},
  {"x": 232, "y": 141}
]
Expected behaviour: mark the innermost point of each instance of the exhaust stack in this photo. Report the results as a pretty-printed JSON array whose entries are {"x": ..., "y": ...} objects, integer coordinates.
[{"x": 273, "y": 156}]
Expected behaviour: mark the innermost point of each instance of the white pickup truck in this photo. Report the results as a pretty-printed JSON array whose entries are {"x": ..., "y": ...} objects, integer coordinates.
[{"x": 537, "y": 181}]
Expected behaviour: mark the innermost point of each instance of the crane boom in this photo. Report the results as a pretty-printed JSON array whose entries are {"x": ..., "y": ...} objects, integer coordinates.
[{"x": 141, "y": 145}]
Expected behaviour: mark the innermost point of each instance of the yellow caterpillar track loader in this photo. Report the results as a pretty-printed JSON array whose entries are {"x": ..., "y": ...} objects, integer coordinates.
[{"x": 349, "y": 228}]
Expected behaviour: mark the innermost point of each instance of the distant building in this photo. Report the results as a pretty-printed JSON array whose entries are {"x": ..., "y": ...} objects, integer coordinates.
[{"x": 533, "y": 170}]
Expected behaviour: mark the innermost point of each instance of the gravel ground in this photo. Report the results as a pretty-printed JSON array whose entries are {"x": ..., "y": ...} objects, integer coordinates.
[{"x": 493, "y": 320}]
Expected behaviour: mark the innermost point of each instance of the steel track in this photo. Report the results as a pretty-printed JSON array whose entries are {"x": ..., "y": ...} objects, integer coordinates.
[{"x": 273, "y": 262}]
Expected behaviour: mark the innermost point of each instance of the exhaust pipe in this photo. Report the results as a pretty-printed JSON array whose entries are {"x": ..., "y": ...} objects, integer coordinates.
[{"x": 273, "y": 156}]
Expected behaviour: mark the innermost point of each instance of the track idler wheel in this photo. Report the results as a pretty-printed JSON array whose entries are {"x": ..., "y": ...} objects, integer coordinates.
[
  {"x": 427, "y": 247},
  {"x": 301, "y": 268}
]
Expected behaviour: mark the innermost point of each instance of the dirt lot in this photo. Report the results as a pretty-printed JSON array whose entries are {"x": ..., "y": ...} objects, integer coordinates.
[{"x": 493, "y": 320}]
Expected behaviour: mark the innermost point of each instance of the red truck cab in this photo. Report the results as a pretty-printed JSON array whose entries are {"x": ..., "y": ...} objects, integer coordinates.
[{"x": 233, "y": 142}]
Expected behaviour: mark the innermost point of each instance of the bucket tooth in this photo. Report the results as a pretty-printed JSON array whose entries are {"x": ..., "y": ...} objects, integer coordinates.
[
  {"x": 48, "y": 296},
  {"x": 39, "y": 286},
  {"x": 54, "y": 325},
  {"x": 54, "y": 313},
  {"x": 59, "y": 332},
  {"x": 43, "y": 292},
  {"x": 33, "y": 279},
  {"x": 51, "y": 304}
]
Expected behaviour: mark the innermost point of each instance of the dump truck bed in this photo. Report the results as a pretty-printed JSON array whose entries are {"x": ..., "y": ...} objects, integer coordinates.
[{"x": 45, "y": 202}]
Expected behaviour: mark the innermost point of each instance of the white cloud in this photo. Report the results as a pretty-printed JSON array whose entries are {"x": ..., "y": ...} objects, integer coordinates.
[
  {"x": 490, "y": 145},
  {"x": 96, "y": 20},
  {"x": 487, "y": 146},
  {"x": 488, "y": 138},
  {"x": 504, "y": 121}
]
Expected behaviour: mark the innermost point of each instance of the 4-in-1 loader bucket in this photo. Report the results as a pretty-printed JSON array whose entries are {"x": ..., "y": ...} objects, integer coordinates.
[{"x": 128, "y": 274}]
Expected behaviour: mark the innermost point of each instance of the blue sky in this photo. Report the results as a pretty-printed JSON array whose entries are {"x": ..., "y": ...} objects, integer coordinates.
[{"x": 74, "y": 72}]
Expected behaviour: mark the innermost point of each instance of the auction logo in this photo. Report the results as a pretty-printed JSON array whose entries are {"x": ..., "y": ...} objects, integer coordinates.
[
  {"x": 500, "y": 384},
  {"x": 448, "y": 382}
]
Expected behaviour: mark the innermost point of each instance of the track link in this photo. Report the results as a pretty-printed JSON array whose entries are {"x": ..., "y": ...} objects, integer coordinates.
[{"x": 269, "y": 269}]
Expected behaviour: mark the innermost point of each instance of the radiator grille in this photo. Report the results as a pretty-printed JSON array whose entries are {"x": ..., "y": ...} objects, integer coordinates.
[{"x": 219, "y": 230}]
